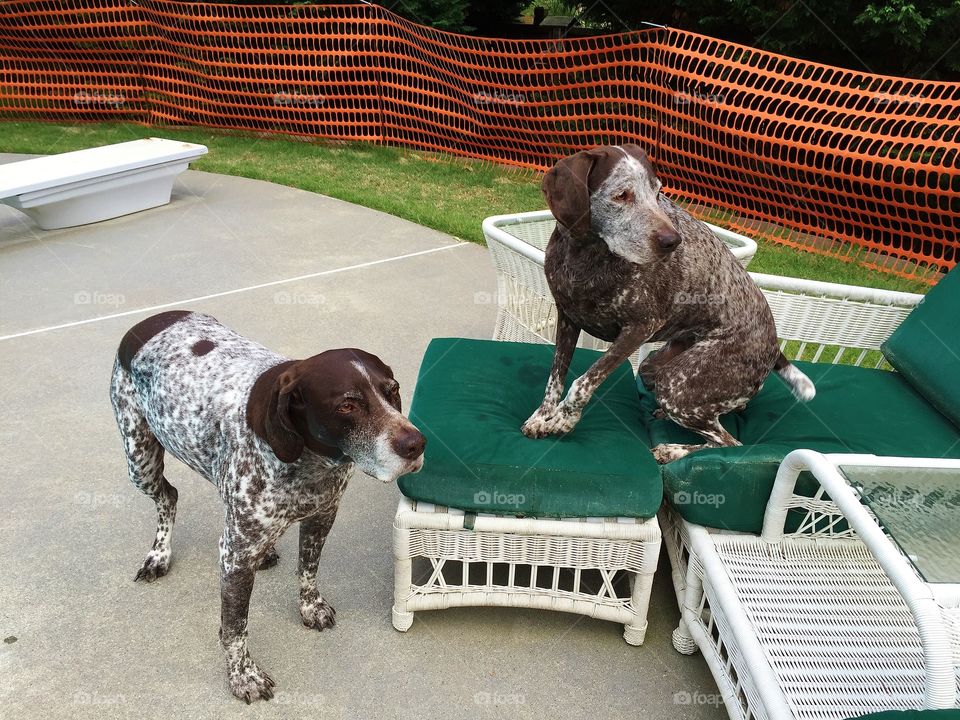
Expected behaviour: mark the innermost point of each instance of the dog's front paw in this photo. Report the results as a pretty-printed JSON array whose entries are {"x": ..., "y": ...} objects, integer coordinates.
[
  {"x": 248, "y": 682},
  {"x": 556, "y": 421},
  {"x": 155, "y": 566},
  {"x": 317, "y": 613},
  {"x": 668, "y": 452},
  {"x": 535, "y": 426}
]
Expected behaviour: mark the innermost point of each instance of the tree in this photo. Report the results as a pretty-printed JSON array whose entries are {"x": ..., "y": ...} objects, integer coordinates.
[{"x": 894, "y": 37}]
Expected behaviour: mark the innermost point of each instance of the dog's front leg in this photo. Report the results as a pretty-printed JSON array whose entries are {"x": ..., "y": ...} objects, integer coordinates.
[
  {"x": 567, "y": 336},
  {"x": 316, "y": 612},
  {"x": 566, "y": 415},
  {"x": 237, "y": 571}
]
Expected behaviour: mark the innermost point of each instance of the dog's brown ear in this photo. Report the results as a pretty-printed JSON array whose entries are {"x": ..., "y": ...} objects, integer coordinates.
[
  {"x": 268, "y": 411},
  {"x": 566, "y": 187}
]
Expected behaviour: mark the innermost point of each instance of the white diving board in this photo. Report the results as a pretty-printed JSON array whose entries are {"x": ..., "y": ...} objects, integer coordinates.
[{"x": 87, "y": 186}]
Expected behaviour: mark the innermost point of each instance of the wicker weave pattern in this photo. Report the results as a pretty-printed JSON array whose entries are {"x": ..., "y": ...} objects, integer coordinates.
[
  {"x": 822, "y": 630},
  {"x": 837, "y": 648},
  {"x": 565, "y": 565},
  {"x": 551, "y": 551}
]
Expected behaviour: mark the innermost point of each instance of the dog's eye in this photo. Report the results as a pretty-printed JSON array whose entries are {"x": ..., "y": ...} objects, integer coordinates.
[
  {"x": 345, "y": 408},
  {"x": 624, "y": 196}
]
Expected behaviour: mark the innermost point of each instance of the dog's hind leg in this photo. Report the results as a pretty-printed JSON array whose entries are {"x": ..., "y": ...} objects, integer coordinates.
[
  {"x": 699, "y": 385},
  {"x": 145, "y": 467},
  {"x": 711, "y": 430},
  {"x": 652, "y": 364}
]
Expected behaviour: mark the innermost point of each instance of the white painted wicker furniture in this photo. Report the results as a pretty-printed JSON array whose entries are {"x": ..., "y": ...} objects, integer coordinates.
[
  {"x": 568, "y": 565},
  {"x": 95, "y": 184},
  {"x": 820, "y": 322},
  {"x": 768, "y": 612},
  {"x": 750, "y": 603},
  {"x": 829, "y": 621}
]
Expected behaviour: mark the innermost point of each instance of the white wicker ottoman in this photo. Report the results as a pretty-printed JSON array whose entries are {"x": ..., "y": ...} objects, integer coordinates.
[{"x": 524, "y": 562}]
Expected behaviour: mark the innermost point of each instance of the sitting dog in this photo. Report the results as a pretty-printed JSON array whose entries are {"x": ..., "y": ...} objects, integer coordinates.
[
  {"x": 630, "y": 267},
  {"x": 278, "y": 438}
]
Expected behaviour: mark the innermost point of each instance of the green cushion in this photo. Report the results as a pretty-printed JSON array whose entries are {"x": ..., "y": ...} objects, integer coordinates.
[
  {"x": 925, "y": 349},
  {"x": 856, "y": 410},
  {"x": 471, "y": 398}
]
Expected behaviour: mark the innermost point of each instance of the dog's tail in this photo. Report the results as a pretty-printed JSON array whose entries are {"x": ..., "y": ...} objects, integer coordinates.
[{"x": 800, "y": 385}]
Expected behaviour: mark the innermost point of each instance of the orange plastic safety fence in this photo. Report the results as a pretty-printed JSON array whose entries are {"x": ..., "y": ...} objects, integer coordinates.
[{"x": 854, "y": 165}]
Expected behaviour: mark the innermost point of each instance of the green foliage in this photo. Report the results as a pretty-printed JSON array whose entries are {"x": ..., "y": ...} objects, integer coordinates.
[
  {"x": 554, "y": 7},
  {"x": 489, "y": 16},
  {"x": 892, "y": 37},
  {"x": 448, "y": 15}
]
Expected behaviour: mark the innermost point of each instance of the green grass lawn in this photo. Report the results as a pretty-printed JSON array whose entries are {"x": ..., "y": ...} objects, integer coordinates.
[{"x": 444, "y": 193}]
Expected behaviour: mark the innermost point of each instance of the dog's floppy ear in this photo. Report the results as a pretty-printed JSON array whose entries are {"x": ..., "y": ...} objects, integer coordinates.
[
  {"x": 268, "y": 411},
  {"x": 566, "y": 187}
]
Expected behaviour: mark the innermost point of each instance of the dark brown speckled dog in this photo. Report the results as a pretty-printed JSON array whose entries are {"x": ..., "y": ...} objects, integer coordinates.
[
  {"x": 278, "y": 438},
  {"x": 629, "y": 266}
]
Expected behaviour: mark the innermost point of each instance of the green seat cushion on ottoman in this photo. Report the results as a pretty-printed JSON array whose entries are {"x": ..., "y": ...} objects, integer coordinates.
[
  {"x": 856, "y": 410},
  {"x": 471, "y": 398},
  {"x": 925, "y": 348}
]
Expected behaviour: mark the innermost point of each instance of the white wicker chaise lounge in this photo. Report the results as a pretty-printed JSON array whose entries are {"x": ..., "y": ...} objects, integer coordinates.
[{"x": 802, "y": 621}]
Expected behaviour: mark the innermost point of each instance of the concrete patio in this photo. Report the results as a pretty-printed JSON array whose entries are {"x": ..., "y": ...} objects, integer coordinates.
[{"x": 300, "y": 273}]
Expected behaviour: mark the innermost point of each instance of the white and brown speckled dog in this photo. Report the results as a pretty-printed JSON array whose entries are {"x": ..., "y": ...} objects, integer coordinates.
[
  {"x": 279, "y": 438},
  {"x": 630, "y": 267}
]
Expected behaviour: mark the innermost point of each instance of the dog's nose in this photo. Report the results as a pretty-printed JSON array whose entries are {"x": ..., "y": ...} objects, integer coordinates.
[
  {"x": 668, "y": 239},
  {"x": 410, "y": 444}
]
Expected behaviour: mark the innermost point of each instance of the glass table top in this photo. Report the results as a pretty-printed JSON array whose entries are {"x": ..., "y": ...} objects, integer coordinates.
[{"x": 920, "y": 510}]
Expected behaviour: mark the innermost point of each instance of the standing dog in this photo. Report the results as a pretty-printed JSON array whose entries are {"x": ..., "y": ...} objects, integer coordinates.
[
  {"x": 278, "y": 438},
  {"x": 630, "y": 267}
]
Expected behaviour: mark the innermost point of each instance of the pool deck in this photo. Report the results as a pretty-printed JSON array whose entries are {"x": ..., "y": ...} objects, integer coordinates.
[{"x": 300, "y": 273}]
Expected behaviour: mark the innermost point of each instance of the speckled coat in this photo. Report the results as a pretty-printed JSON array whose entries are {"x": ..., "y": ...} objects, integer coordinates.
[
  {"x": 185, "y": 384},
  {"x": 629, "y": 266}
]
